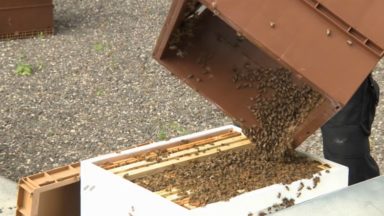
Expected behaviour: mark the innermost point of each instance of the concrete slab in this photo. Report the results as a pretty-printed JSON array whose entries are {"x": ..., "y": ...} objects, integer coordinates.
[{"x": 8, "y": 194}]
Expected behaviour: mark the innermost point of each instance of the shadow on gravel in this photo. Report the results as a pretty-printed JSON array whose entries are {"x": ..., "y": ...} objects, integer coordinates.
[{"x": 68, "y": 23}]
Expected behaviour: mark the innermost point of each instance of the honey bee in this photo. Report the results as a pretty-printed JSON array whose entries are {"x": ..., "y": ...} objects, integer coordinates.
[
  {"x": 301, "y": 186},
  {"x": 180, "y": 53},
  {"x": 316, "y": 181}
]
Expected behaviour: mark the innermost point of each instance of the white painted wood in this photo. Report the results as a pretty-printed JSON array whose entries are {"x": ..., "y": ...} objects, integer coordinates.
[{"x": 104, "y": 193}]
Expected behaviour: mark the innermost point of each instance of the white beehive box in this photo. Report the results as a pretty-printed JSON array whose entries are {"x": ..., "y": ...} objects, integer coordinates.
[{"x": 106, "y": 193}]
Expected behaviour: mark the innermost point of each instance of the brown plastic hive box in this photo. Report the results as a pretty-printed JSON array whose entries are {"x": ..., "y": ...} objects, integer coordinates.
[
  {"x": 25, "y": 18},
  {"x": 55, "y": 192},
  {"x": 330, "y": 45}
]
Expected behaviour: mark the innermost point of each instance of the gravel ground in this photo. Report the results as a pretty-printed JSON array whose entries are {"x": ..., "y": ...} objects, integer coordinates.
[{"x": 96, "y": 89}]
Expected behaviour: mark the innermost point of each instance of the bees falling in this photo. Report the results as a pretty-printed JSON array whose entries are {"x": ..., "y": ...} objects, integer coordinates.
[{"x": 280, "y": 106}]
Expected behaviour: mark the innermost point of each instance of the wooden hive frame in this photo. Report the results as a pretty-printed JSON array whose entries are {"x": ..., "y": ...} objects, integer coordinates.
[{"x": 159, "y": 159}]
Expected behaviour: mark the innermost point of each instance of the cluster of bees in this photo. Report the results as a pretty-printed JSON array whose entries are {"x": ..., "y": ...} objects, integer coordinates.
[
  {"x": 227, "y": 174},
  {"x": 285, "y": 203},
  {"x": 157, "y": 155},
  {"x": 279, "y": 105},
  {"x": 288, "y": 202},
  {"x": 185, "y": 30}
]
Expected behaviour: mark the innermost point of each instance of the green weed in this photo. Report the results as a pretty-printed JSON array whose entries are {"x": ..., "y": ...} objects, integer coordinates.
[
  {"x": 171, "y": 129},
  {"x": 23, "y": 69},
  {"x": 177, "y": 128},
  {"x": 99, "y": 47},
  {"x": 41, "y": 35},
  {"x": 162, "y": 135},
  {"x": 100, "y": 92}
]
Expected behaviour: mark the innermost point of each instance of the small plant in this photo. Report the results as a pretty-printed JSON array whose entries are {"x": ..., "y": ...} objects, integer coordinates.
[
  {"x": 50, "y": 133},
  {"x": 99, "y": 92},
  {"x": 40, "y": 66},
  {"x": 41, "y": 35},
  {"x": 162, "y": 135},
  {"x": 99, "y": 47},
  {"x": 177, "y": 128},
  {"x": 23, "y": 69},
  {"x": 171, "y": 129}
]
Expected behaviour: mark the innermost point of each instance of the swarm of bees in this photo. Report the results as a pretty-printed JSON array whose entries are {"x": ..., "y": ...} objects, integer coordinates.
[
  {"x": 280, "y": 106},
  {"x": 271, "y": 160},
  {"x": 285, "y": 203},
  {"x": 227, "y": 174}
]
